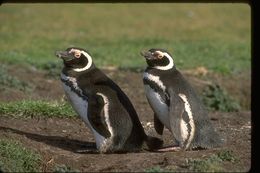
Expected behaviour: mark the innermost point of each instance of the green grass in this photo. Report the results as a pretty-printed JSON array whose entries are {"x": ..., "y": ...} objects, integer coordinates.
[
  {"x": 216, "y": 36},
  {"x": 216, "y": 98},
  {"x": 30, "y": 109},
  {"x": 15, "y": 158},
  {"x": 9, "y": 81},
  {"x": 212, "y": 163},
  {"x": 227, "y": 155}
]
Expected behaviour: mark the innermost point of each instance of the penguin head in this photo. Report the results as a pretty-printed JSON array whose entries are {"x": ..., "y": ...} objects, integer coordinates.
[
  {"x": 76, "y": 59},
  {"x": 158, "y": 59}
]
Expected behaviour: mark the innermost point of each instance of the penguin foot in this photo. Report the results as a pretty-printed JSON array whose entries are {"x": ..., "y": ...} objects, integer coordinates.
[
  {"x": 169, "y": 149},
  {"x": 85, "y": 151}
]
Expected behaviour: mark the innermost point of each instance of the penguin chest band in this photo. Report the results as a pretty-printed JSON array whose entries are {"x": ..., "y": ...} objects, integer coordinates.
[
  {"x": 155, "y": 79},
  {"x": 155, "y": 99},
  {"x": 158, "y": 105},
  {"x": 80, "y": 105}
]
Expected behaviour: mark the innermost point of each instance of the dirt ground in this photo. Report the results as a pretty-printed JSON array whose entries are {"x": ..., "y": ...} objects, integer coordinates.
[{"x": 65, "y": 141}]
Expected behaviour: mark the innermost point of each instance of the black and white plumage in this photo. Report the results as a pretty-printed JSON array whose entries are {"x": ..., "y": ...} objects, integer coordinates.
[
  {"x": 175, "y": 104},
  {"x": 101, "y": 104}
]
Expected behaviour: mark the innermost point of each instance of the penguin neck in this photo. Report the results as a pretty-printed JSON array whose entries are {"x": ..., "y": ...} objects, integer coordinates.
[
  {"x": 72, "y": 73},
  {"x": 90, "y": 77},
  {"x": 156, "y": 70},
  {"x": 73, "y": 84}
]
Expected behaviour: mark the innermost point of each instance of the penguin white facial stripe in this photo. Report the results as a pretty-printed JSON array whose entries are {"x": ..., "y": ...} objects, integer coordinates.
[
  {"x": 87, "y": 66},
  {"x": 167, "y": 67},
  {"x": 106, "y": 112},
  {"x": 187, "y": 108},
  {"x": 155, "y": 79}
]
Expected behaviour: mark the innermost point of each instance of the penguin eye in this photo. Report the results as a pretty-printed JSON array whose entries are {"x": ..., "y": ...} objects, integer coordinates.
[
  {"x": 77, "y": 54},
  {"x": 159, "y": 54}
]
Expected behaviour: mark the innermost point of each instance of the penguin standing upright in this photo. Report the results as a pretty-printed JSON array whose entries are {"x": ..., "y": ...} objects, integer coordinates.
[
  {"x": 175, "y": 104},
  {"x": 102, "y": 105}
]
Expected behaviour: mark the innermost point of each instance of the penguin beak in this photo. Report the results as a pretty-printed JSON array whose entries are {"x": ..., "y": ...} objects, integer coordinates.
[
  {"x": 65, "y": 55},
  {"x": 147, "y": 55}
]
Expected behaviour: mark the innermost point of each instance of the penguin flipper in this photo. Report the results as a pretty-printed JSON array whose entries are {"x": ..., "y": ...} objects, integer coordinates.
[
  {"x": 96, "y": 115},
  {"x": 176, "y": 111},
  {"x": 158, "y": 125}
]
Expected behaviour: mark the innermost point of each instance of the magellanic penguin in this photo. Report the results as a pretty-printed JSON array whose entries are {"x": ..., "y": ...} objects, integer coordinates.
[
  {"x": 175, "y": 104},
  {"x": 102, "y": 105}
]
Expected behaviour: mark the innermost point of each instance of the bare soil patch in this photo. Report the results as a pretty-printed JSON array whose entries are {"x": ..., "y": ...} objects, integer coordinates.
[{"x": 66, "y": 141}]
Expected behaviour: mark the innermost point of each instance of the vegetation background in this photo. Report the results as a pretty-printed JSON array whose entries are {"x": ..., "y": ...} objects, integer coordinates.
[{"x": 216, "y": 36}]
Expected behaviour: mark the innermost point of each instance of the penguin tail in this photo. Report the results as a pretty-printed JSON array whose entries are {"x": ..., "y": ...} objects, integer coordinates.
[
  {"x": 153, "y": 143},
  {"x": 207, "y": 137}
]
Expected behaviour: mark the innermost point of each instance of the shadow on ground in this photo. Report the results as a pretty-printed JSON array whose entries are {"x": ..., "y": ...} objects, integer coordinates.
[{"x": 73, "y": 145}]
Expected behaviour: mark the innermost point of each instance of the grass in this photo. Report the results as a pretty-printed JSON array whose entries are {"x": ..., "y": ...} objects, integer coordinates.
[
  {"x": 212, "y": 163},
  {"x": 30, "y": 108},
  {"x": 216, "y": 98},
  {"x": 9, "y": 81},
  {"x": 216, "y": 36},
  {"x": 227, "y": 155},
  {"x": 53, "y": 69},
  {"x": 15, "y": 158}
]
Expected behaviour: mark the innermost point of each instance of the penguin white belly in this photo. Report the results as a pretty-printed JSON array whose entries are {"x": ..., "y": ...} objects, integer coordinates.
[
  {"x": 159, "y": 107},
  {"x": 81, "y": 107}
]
